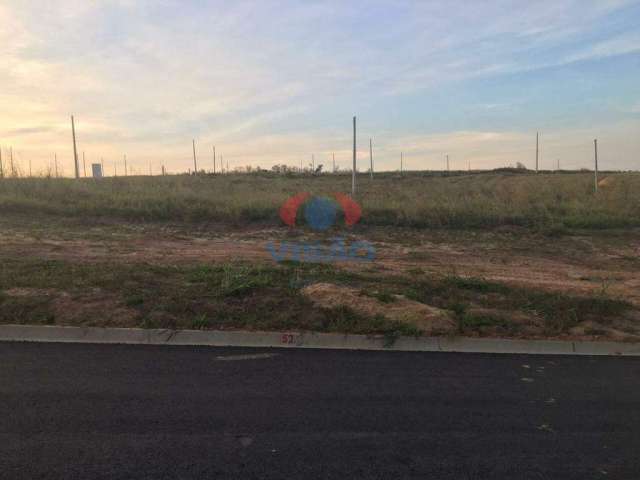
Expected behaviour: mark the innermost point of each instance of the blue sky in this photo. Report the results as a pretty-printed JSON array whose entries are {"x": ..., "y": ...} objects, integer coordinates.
[{"x": 275, "y": 81}]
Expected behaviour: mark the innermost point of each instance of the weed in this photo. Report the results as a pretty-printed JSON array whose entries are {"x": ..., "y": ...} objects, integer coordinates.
[
  {"x": 134, "y": 300},
  {"x": 200, "y": 322},
  {"x": 560, "y": 312},
  {"x": 479, "y": 321},
  {"x": 383, "y": 297},
  {"x": 415, "y": 271}
]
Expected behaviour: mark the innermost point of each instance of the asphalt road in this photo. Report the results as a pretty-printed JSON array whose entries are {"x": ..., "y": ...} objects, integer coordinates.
[{"x": 108, "y": 411}]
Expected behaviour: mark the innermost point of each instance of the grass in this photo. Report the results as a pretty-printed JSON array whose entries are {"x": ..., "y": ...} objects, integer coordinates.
[
  {"x": 232, "y": 295},
  {"x": 551, "y": 203},
  {"x": 559, "y": 311},
  {"x": 384, "y": 297},
  {"x": 268, "y": 297}
]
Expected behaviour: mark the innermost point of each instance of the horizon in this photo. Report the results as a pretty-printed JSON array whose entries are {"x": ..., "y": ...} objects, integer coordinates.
[{"x": 276, "y": 82}]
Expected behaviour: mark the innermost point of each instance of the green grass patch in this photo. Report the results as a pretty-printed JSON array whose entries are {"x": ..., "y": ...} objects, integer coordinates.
[
  {"x": 559, "y": 311},
  {"x": 381, "y": 296},
  {"x": 268, "y": 297}
]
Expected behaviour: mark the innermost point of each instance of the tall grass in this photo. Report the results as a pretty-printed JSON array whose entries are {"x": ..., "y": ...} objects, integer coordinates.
[{"x": 416, "y": 199}]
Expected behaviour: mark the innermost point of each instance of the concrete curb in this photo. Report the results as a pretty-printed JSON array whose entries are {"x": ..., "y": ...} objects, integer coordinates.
[{"x": 36, "y": 333}]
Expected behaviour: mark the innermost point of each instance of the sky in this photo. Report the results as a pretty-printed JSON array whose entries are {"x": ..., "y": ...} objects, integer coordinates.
[{"x": 275, "y": 82}]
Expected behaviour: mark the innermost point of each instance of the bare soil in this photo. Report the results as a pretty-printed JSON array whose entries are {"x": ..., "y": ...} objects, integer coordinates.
[
  {"x": 428, "y": 319},
  {"x": 582, "y": 263}
]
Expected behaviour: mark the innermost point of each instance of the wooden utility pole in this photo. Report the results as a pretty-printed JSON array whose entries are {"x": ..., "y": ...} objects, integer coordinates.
[
  {"x": 371, "y": 156},
  {"x": 163, "y": 171},
  {"x": 595, "y": 147},
  {"x": 75, "y": 151},
  {"x": 537, "y": 149},
  {"x": 195, "y": 162},
  {"x": 353, "y": 171},
  {"x": 558, "y": 165},
  {"x": 214, "y": 159}
]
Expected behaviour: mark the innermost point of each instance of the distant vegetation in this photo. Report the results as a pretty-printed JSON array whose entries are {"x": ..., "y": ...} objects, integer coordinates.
[{"x": 416, "y": 199}]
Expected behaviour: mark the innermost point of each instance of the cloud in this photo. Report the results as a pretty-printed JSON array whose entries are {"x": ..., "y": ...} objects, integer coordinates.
[
  {"x": 619, "y": 45},
  {"x": 259, "y": 77},
  {"x": 16, "y": 132}
]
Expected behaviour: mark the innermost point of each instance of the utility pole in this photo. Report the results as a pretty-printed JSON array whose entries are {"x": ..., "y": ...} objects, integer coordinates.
[
  {"x": 214, "y": 159},
  {"x": 75, "y": 151},
  {"x": 163, "y": 171},
  {"x": 448, "y": 164},
  {"x": 313, "y": 163},
  {"x": 595, "y": 147},
  {"x": 469, "y": 165},
  {"x": 371, "y": 156},
  {"x": 558, "y": 165},
  {"x": 84, "y": 166},
  {"x": 334, "y": 163},
  {"x": 537, "y": 149},
  {"x": 353, "y": 171},
  {"x": 29, "y": 167},
  {"x": 13, "y": 170},
  {"x": 195, "y": 162}
]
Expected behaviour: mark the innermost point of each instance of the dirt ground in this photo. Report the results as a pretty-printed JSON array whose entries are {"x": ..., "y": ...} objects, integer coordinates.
[
  {"x": 579, "y": 263},
  {"x": 583, "y": 263}
]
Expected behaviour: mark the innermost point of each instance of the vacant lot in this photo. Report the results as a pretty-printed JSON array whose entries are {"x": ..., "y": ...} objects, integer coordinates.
[{"x": 485, "y": 254}]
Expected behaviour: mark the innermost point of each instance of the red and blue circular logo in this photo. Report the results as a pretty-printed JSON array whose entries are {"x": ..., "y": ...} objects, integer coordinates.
[{"x": 320, "y": 213}]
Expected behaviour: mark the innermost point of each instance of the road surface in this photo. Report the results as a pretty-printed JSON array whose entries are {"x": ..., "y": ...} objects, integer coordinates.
[{"x": 113, "y": 411}]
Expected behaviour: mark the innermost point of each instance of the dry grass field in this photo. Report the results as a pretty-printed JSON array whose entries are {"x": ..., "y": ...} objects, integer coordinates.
[
  {"x": 484, "y": 254},
  {"x": 418, "y": 200}
]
